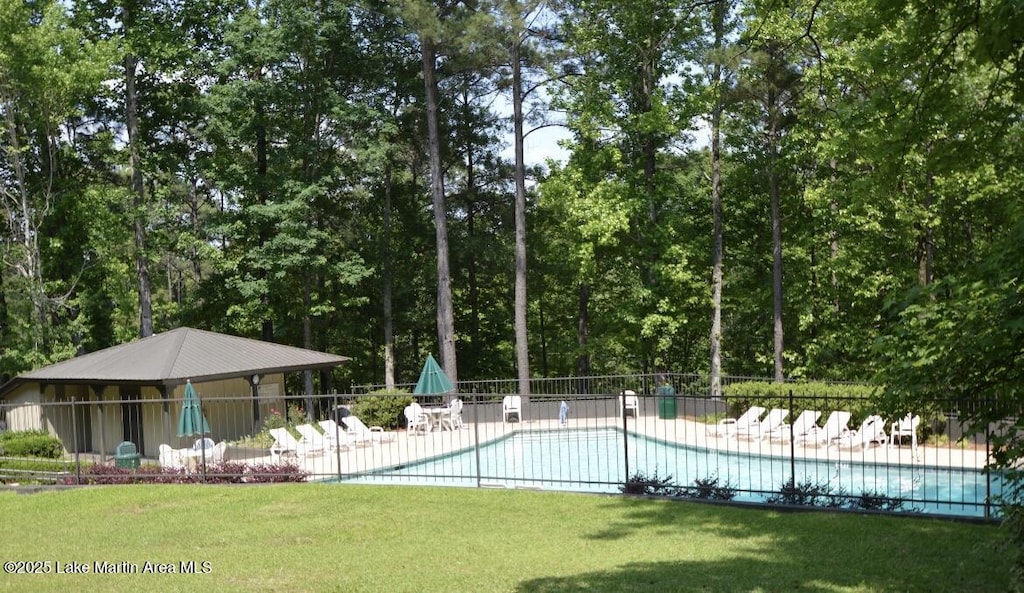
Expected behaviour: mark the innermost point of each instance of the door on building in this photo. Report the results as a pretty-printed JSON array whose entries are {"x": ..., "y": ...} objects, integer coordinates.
[{"x": 131, "y": 417}]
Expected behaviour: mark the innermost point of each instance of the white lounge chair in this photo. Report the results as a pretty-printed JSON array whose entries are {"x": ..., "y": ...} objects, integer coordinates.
[
  {"x": 361, "y": 433},
  {"x": 905, "y": 427},
  {"x": 315, "y": 441},
  {"x": 337, "y": 436},
  {"x": 872, "y": 430},
  {"x": 286, "y": 443},
  {"x": 629, "y": 402},
  {"x": 835, "y": 426},
  {"x": 512, "y": 405},
  {"x": 416, "y": 420},
  {"x": 730, "y": 426},
  {"x": 760, "y": 430},
  {"x": 804, "y": 423}
]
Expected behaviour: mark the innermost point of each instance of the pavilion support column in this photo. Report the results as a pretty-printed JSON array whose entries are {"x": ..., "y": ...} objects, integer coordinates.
[
  {"x": 166, "y": 411},
  {"x": 97, "y": 390},
  {"x": 254, "y": 384}
]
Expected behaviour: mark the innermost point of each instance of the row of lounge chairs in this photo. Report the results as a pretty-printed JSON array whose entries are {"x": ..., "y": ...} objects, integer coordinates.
[
  {"x": 754, "y": 424},
  {"x": 331, "y": 436}
]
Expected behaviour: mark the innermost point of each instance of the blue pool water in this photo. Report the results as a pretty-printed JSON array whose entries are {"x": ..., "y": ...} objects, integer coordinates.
[{"x": 599, "y": 460}]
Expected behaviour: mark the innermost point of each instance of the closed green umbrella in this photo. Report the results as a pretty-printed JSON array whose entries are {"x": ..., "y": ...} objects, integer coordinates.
[
  {"x": 191, "y": 422},
  {"x": 433, "y": 381}
]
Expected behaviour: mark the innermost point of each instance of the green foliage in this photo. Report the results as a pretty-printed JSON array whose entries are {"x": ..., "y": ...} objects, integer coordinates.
[
  {"x": 958, "y": 345},
  {"x": 708, "y": 489},
  {"x": 382, "y": 408},
  {"x": 30, "y": 443},
  {"x": 652, "y": 485},
  {"x": 1013, "y": 525},
  {"x": 859, "y": 400},
  {"x": 822, "y": 494}
]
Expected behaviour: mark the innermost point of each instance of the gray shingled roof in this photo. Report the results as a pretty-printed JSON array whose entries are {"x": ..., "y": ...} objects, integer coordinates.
[{"x": 173, "y": 357}]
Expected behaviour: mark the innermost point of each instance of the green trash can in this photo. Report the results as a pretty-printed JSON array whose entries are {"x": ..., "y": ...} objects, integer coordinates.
[
  {"x": 666, "y": 401},
  {"x": 127, "y": 456}
]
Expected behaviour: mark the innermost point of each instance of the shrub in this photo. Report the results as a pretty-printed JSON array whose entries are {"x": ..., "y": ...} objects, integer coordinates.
[
  {"x": 822, "y": 495},
  {"x": 877, "y": 501},
  {"x": 382, "y": 408},
  {"x": 640, "y": 483},
  {"x": 805, "y": 493},
  {"x": 708, "y": 489},
  {"x": 228, "y": 472},
  {"x": 31, "y": 443},
  {"x": 824, "y": 397}
]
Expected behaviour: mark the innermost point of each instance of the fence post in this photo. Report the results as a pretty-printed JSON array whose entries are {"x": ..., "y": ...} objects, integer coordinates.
[
  {"x": 988, "y": 475},
  {"x": 476, "y": 434},
  {"x": 74, "y": 436},
  {"x": 792, "y": 443},
  {"x": 333, "y": 415},
  {"x": 625, "y": 434}
]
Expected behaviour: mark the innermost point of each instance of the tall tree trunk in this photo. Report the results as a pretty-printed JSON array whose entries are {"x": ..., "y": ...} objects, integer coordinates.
[
  {"x": 522, "y": 351},
  {"x": 926, "y": 239},
  {"x": 23, "y": 218},
  {"x": 717, "y": 250},
  {"x": 263, "y": 197},
  {"x": 389, "y": 329},
  {"x": 582, "y": 331},
  {"x": 773, "y": 181},
  {"x": 470, "y": 220},
  {"x": 833, "y": 243},
  {"x": 138, "y": 195},
  {"x": 307, "y": 343},
  {"x": 445, "y": 312}
]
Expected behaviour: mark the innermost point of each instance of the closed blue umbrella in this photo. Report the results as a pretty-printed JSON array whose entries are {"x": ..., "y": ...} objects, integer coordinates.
[
  {"x": 432, "y": 381},
  {"x": 192, "y": 422}
]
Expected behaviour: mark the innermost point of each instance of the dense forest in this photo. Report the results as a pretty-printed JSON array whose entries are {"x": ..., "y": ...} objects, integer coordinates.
[{"x": 790, "y": 189}]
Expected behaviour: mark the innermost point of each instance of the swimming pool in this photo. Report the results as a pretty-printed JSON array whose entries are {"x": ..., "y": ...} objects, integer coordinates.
[{"x": 599, "y": 460}]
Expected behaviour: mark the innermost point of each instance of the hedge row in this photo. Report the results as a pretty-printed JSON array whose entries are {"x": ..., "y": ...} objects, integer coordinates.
[
  {"x": 30, "y": 443},
  {"x": 823, "y": 397},
  {"x": 228, "y": 472}
]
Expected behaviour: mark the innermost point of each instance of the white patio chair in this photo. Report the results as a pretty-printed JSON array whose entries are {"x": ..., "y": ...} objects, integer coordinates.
[
  {"x": 203, "y": 444},
  {"x": 170, "y": 458},
  {"x": 216, "y": 454},
  {"x": 416, "y": 420},
  {"x": 512, "y": 405},
  {"x": 629, "y": 402},
  {"x": 905, "y": 427},
  {"x": 453, "y": 419}
]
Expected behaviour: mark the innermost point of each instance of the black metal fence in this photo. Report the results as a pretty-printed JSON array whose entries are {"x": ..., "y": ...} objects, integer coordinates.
[{"x": 600, "y": 434}]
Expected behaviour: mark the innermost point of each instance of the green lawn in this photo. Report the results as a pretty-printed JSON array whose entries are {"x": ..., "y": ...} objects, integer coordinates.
[{"x": 352, "y": 538}]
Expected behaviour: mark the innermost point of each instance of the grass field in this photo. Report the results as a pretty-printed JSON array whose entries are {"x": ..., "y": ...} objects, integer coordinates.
[{"x": 352, "y": 538}]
